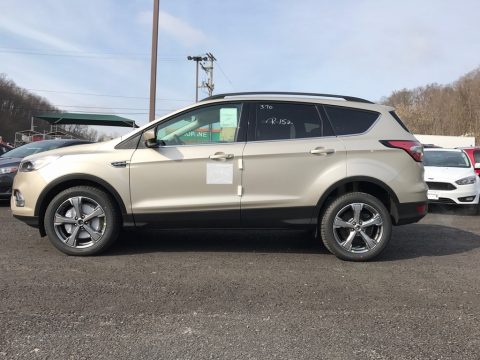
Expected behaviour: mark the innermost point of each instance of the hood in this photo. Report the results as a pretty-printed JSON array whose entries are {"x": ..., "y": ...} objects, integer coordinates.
[
  {"x": 7, "y": 162},
  {"x": 77, "y": 150},
  {"x": 447, "y": 174}
]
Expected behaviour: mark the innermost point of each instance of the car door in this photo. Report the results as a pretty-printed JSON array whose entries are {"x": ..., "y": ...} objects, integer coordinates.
[
  {"x": 290, "y": 159},
  {"x": 192, "y": 178}
]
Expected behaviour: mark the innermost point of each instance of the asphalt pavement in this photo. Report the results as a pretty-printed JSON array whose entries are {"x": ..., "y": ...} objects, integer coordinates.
[{"x": 243, "y": 295}]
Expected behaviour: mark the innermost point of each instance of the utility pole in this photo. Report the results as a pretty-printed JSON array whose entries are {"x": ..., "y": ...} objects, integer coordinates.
[
  {"x": 153, "y": 68},
  {"x": 197, "y": 59},
  {"x": 207, "y": 66}
]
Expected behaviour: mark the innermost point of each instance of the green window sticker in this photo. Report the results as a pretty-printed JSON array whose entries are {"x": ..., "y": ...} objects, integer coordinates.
[{"x": 228, "y": 117}]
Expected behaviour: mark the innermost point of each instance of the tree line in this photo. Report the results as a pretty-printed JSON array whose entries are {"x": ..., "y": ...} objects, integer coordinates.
[
  {"x": 18, "y": 105},
  {"x": 452, "y": 109}
]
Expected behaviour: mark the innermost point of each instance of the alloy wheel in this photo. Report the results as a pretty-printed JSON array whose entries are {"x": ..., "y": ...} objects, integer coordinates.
[
  {"x": 358, "y": 227},
  {"x": 80, "y": 222}
]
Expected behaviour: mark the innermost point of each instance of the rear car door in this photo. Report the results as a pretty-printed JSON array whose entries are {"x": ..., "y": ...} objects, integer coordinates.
[
  {"x": 290, "y": 159},
  {"x": 193, "y": 178}
]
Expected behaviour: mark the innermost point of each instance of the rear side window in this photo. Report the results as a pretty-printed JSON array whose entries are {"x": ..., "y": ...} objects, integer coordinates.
[
  {"x": 348, "y": 121},
  {"x": 279, "y": 121}
]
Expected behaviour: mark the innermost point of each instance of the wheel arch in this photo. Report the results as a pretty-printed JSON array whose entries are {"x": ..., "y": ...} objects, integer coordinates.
[
  {"x": 364, "y": 184},
  {"x": 72, "y": 180}
]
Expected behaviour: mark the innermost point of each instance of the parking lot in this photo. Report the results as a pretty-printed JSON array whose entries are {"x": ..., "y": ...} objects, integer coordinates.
[{"x": 243, "y": 295}]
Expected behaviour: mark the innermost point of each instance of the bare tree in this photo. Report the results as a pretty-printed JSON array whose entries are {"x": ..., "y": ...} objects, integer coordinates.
[
  {"x": 17, "y": 106},
  {"x": 452, "y": 109}
]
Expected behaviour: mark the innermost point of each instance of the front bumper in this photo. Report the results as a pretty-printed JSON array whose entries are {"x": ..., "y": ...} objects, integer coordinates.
[
  {"x": 6, "y": 181},
  {"x": 461, "y": 195},
  {"x": 30, "y": 185}
]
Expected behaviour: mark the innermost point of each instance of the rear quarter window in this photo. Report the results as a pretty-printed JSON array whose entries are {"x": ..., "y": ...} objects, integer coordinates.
[{"x": 348, "y": 121}]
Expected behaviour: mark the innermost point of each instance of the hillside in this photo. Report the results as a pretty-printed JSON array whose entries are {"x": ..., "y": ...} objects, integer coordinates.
[
  {"x": 17, "y": 105},
  {"x": 16, "y": 108},
  {"x": 452, "y": 109}
]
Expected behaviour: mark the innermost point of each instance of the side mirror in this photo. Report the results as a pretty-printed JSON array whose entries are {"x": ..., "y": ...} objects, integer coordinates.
[
  {"x": 477, "y": 166},
  {"x": 150, "y": 139}
]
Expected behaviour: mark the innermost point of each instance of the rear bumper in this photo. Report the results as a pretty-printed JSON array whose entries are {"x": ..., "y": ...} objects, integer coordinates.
[
  {"x": 29, "y": 220},
  {"x": 408, "y": 213}
]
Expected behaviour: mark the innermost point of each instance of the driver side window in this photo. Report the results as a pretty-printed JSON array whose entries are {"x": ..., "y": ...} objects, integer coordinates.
[{"x": 207, "y": 125}]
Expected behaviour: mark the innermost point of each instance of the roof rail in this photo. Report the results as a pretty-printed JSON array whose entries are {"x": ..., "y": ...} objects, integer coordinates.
[{"x": 347, "y": 98}]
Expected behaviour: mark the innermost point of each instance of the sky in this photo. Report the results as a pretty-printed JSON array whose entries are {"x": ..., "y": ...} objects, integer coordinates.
[{"x": 94, "y": 55}]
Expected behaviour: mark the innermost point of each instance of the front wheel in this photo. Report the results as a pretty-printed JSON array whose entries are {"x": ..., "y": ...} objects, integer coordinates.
[
  {"x": 356, "y": 227},
  {"x": 82, "y": 220}
]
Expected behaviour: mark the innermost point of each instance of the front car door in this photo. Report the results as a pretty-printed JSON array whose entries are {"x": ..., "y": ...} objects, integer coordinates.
[
  {"x": 193, "y": 177},
  {"x": 290, "y": 159}
]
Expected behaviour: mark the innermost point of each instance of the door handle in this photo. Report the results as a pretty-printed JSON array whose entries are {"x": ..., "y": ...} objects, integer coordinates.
[
  {"x": 322, "y": 151},
  {"x": 221, "y": 156}
]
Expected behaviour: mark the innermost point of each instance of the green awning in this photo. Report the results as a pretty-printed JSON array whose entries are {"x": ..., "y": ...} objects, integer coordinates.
[{"x": 86, "y": 119}]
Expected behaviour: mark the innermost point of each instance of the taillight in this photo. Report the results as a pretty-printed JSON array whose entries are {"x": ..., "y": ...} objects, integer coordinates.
[
  {"x": 421, "y": 209},
  {"x": 413, "y": 148}
]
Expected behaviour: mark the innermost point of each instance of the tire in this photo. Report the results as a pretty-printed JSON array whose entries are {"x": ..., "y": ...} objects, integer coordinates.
[
  {"x": 344, "y": 231},
  {"x": 90, "y": 235}
]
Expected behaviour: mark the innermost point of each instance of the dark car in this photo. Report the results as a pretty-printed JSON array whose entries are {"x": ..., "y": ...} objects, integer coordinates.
[
  {"x": 10, "y": 160},
  {"x": 4, "y": 148}
]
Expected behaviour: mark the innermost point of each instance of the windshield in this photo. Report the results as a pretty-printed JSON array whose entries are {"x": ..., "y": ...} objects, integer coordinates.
[
  {"x": 455, "y": 159},
  {"x": 32, "y": 148}
]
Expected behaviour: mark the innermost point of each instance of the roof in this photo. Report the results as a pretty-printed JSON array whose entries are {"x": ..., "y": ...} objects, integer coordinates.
[
  {"x": 286, "y": 93},
  {"x": 86, "y": 119}
]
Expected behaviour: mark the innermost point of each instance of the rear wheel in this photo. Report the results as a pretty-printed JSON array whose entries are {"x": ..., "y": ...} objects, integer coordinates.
[
  {"x": 82, "y": 220},
  {"x": 356, "y": 227}
]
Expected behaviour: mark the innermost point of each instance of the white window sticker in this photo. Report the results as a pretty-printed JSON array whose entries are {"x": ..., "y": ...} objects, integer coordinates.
[
  {"x": 228, "y": 117},
  {"x": 219, "y": 174}
]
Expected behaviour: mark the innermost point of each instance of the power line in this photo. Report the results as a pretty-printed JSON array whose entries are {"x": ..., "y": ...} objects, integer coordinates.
[
  {"x": 84, "y": 112},
  {"x": 87, "y": 54},
  {"x": 107, "y": 107},
  {"x": 76, "y": 51},
  {"x": 225, "y": 75},
  {"x": 104, "y": 95}
]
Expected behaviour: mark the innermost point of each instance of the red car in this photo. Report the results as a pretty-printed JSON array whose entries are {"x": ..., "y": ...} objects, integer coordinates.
[{"x": 474, "y": 156}]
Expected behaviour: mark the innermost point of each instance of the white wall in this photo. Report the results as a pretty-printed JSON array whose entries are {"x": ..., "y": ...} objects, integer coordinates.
[{"x": 447, "y": 141}]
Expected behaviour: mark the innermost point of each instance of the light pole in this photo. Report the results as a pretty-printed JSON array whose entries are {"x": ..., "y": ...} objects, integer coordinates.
[
  {"x": 153, "y": 68},
  {"x": 197, "y": 59}
]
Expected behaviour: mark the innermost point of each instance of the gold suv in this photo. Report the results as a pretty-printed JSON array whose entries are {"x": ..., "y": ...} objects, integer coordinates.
[{"x": 342, "y": 167}]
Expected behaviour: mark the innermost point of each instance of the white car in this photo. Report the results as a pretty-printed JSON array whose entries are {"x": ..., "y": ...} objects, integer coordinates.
[{"x": 450, "y": 177}]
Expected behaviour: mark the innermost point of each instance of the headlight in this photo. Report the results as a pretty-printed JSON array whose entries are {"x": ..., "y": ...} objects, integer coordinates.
[
  {"x": 466, "y": 181},
  {"x": 8, "y": 170},
  {"x": 32, "y": 165}
]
